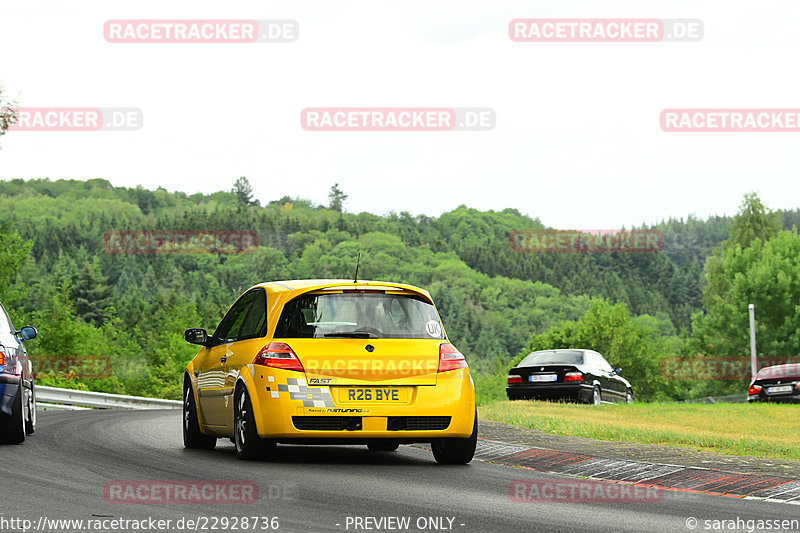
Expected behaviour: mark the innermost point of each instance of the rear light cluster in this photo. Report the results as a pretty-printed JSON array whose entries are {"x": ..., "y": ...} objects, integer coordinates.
[
  {"x": 2, "y": 357},
  {"x": 278, "y": 355},
  {"x": 450, "y": 358},
  {"x": 569, "y": 376},
  {"x": 754, "y": 389}
]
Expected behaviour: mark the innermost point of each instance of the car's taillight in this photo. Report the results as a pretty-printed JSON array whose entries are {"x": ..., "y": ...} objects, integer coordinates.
[
  {"x": 754, "y": 389},
  {"x": 514, "y": 379},
  {"x": 450, "y": 358},
  {"x": 2, "y": 358},
  {"x": 278, "y": 355},
  {"x": 573, "y": 376}
]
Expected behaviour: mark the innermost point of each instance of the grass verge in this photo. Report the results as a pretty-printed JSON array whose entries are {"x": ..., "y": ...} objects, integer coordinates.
[{"x": 762, "y": 430}]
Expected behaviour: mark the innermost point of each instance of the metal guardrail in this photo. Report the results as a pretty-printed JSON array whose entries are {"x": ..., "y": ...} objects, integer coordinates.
[
  {"x": 732, "y": 398},
  {"x": 56, "y": 398},
  {"x": 41, "y": 406}
]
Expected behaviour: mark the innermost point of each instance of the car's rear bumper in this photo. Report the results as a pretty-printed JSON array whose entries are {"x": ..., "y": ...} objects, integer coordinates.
[
  {"x": 306, "y": 413},
  {"x": 774, "y": 398},
  {"x": 550, "y": 391},
  {"x": 9, "y": 388}
]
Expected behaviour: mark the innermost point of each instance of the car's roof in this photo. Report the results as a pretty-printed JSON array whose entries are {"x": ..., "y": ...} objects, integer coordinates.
[
  {"x": 789, "y": 369},
  {"x": 305, "y": 285}
]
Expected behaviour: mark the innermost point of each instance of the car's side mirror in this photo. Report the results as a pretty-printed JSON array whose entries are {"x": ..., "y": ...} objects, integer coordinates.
[
  {"x": 196, "y": 336},
  {"x": 618, "y": 371},
  {"x": 27, "y": 333}
]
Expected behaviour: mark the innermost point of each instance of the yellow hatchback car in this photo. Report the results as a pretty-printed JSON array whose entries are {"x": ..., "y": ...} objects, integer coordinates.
[{"x": 330, "y": 362}]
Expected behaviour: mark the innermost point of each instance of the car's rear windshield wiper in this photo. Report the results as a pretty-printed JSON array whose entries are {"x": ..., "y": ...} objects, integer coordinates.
[{"x": 353, "y": 335}]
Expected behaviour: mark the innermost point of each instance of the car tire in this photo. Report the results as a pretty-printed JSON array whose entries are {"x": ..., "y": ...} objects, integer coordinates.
[
  {"x": 454, "y": 451},
  {"x": 383, "y": 445},
  {"x": 192, "y": 436},
  {"x": 12, "y": 428},
  {"x": 30, "y": 423},
  {"x": 629, "y": 396},
  {"x": 249, "y": 446},
  {"x": 597, "y": 396}
]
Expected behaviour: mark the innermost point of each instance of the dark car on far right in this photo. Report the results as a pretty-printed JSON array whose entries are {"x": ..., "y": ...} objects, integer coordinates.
[
  {"x": 569, "y": 375},
  {"x": 779, "y": 383}
]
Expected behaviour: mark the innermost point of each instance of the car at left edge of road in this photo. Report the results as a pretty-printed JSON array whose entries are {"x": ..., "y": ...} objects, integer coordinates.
[{"x": 17, "y": 392}]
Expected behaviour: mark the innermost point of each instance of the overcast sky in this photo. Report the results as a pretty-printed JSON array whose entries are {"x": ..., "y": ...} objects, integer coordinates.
[{"x": 577, "y": 140}]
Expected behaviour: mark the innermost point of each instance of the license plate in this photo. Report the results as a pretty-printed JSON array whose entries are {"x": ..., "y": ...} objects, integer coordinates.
[
  {"x": 542, "y": 377},
  {"x": 783, "y": 388},
  {"x": 373, "y": 394}
]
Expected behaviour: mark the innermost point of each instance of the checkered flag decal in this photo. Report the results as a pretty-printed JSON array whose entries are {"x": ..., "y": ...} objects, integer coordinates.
[{"x": 310, "y": 396}]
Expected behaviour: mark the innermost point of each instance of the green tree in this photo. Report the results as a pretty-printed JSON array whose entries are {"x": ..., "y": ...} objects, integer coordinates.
[
  {"x": 13, "y": 251},
  {"x": 766, "y": 274},
  {"x": 336, "y": 198},
  {"x": 244, "y": 191},
  {"x": 91, "y": 294},
  {"x": 758, "y": 265},
  {"x": 754, "y": 221}
]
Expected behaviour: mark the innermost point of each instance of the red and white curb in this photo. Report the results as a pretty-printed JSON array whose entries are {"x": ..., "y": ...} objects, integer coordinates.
[{"x": 670, "y": 477}]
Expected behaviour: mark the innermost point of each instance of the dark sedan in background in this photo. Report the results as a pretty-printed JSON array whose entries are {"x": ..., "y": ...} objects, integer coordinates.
[
  {"x": 779, "y": 383},
  {"x": 569, "y": 375},
  {"x": 17, "y": 395}
]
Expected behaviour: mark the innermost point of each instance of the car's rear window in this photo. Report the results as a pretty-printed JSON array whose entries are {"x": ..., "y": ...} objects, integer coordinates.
[
  {"x": 791, "y": 370},
  {"x": 359, "y": 314},
  {"x": 562, "y": 357}
]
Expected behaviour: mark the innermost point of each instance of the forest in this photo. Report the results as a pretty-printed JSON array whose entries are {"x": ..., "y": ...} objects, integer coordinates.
[{"x": 688, "y": 300}]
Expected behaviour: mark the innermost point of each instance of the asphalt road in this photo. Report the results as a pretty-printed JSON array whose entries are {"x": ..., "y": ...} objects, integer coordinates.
[{"x": 61, "y": 471}]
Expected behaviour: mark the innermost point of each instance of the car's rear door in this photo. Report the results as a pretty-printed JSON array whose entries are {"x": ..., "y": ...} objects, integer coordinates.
[
  {"x": 613, "y": 386},
  {"x": 214, "y": 388}
]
